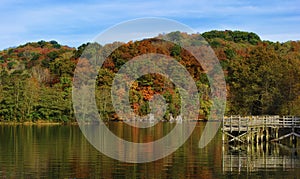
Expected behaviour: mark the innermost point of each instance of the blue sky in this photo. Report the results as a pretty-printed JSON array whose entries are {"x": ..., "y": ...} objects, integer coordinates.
[{"x": 79, "y": 21}]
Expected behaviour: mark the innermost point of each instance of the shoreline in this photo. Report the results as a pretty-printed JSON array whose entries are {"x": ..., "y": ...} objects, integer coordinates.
[
  {"x": 37, "y": 123},
  {"x": 48, "y": 123}
]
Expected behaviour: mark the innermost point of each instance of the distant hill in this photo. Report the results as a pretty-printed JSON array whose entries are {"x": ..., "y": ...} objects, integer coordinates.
[{"x": 262, "y": 77}]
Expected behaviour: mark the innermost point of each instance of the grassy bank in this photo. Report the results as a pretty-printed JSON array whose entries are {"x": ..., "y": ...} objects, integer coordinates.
[{"x": 39, "y": 122}]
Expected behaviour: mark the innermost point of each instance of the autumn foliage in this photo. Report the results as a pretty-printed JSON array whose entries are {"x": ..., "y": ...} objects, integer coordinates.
[{"x": 262, "y": 77}]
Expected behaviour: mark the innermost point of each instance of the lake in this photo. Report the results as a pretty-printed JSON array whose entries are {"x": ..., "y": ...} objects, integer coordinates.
[{"x": 63, "y": 152}]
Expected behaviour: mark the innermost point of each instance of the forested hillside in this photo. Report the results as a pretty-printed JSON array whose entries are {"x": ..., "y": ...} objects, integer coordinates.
[{"x": 262, "y": 77}]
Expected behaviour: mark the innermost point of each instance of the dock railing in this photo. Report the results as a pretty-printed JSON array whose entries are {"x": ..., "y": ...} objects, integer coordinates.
[{"x": 238, "y": 127}]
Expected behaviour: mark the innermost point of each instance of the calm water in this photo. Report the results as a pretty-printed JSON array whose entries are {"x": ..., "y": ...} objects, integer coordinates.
[{"x": 63, "y": 152}]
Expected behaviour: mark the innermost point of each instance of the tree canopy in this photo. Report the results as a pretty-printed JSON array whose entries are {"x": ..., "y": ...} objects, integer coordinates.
[{"x": 262, "y": 77}]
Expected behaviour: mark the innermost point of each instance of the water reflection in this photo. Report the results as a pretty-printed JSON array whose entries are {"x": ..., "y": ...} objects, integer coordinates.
[
  {"x": 260, "y": 157},
  {"x": 63, "y": 152}
]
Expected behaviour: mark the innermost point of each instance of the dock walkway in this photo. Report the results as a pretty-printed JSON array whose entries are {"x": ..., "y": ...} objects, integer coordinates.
[{"x": 249, "y": 129}]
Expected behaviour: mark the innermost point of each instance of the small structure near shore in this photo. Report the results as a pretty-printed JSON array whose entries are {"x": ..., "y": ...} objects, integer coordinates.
[{"x": 251, "y": 129}]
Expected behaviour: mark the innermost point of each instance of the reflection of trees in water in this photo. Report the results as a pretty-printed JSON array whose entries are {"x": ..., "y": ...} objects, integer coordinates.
[{"x": 63, "y": 152}]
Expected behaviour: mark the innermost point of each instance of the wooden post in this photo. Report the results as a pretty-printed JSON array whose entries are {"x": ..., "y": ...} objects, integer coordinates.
[
  {"x": 248, "y": 136},
  {"x": 223, "y": 132},
  {"x": 230, "y": 123},
  {"x": 292, "y": 136},
  {"x": 247, "y": 130},
  {"x": 257, "y": 135},
  {"x": 267, "y": 134},
  {"x": 239, "y": 124},
  {"x": 262, "y": 135},
  {"x": 276, "y": 132},
  {"x": 293, "y": 129},
  {"x": 252, "y": 135}
]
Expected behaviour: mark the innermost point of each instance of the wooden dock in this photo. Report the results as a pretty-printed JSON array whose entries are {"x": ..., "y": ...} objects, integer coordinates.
[{"x": 250, "y": 129}]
